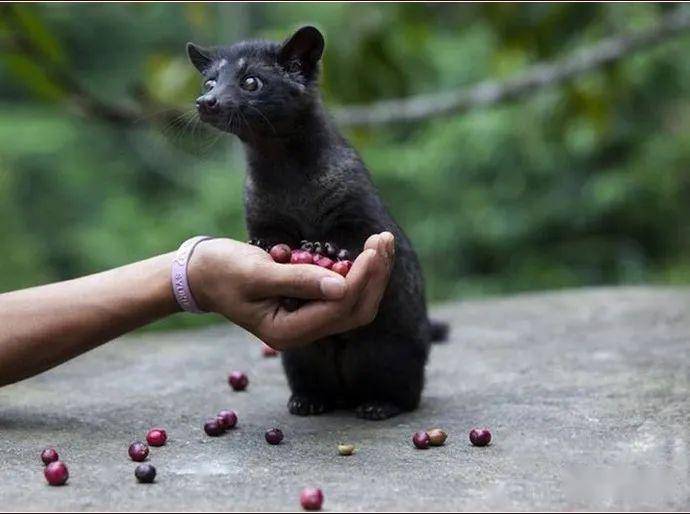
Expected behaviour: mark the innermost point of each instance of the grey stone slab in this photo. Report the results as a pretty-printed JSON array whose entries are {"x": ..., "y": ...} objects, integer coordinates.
[{"x": 586, "y": 393}]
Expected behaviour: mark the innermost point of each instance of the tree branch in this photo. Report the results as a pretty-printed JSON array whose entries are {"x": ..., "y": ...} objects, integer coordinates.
[
  {"x": 411, "y": 109},
  {"x": 423, "y": 107}
]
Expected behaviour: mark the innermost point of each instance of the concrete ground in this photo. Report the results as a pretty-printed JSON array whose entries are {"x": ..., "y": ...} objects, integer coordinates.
[{"x": 586, "y": 393}]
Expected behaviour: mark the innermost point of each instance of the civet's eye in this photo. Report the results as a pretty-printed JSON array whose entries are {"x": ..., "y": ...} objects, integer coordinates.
[
  {"x": 209, "y": 84},
  {"x": 250, "y": 84}
]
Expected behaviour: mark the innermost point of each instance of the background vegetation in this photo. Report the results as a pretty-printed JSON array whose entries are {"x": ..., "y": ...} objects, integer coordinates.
[{"x": 585, "y": 183}]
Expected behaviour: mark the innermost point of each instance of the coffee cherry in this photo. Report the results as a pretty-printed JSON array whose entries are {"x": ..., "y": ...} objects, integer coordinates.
[
  {"x": 292, "y": 304},
  {"x": 227, "y": 419},
  {"x": 274, "y": 436},
  {"x": 331, "y": 250},
  {"x": 138, "y": 451},
  {"x": 318, "y": 248},
  {"x": 437, "y": 437},
  {"x": 480, "y": 436},
  {"x": 156, "y": 437},
  {"x": 281, "y": 253},
  {"x": 421, "y": 440},
  {"x": 49, "y": 455},
  {"x": 306, "y": 245},
  {"x": 301, "y": 257},
  {"x": 343, "y": 255},
  {"x": 213, "y": 428},
  {"x": 267, "y": 351},
  {"x": 324, "y": 262},
  {"x": 56, "y": 473},
  {"x": 342, "y": 267},
  {"x": 145, "y": 473},
  {"x": 346, "y": 449},
  {"x": 238, "y": 380},
  {"x": 311, "y": 498}
]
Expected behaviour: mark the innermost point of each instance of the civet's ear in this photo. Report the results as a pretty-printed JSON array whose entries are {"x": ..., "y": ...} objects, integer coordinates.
[
  {"x": 302, "y": 52},
  {"x": 199, "y": 57}
]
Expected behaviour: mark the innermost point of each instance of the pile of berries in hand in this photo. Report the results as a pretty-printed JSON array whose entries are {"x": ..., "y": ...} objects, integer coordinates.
[{"x": 327, "y": 255}]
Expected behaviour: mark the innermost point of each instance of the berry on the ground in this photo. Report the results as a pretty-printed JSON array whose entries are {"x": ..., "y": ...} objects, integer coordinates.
[
  {"x": 437, "y": 437},
  {"x": 138, "y": 451},
  {"x": 56, "y": 473},
  {"x": 156, "y": 437},
  {"x": 346, "y": 449},
  {"x": 227, "y": 419},
  {"x": 145, "y": 473},
  {"x": 311, "y": 498},
  {"x": 49, "y": 455},
  {"x": 421, "y": 440},
  {"x": 480, "y": 436},
  {"x": 238, "y": 380},
  {"x": 213, "y": 428},
  {"x": 274, "y": 436}
]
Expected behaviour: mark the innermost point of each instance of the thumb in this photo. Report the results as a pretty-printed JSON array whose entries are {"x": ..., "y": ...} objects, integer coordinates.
[{"x": 300, "y": 281}]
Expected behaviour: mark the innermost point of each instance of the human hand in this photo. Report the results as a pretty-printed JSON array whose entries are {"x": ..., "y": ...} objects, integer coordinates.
[{"x": 242, "y": 283}]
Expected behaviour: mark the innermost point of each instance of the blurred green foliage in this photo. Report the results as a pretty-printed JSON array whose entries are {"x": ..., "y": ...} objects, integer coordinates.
[{"x": 581, "y": 184}]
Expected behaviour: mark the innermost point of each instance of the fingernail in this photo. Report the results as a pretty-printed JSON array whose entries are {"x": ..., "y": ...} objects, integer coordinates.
[{"x": 333, "y": 288}]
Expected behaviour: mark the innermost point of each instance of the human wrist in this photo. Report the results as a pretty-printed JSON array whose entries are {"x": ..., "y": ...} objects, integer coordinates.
[
  {"x": 180, "y": 280},
  {"x": 201, "y": 271}
]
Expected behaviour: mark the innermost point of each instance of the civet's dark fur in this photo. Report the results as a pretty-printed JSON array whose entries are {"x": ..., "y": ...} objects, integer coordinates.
[{"x": 305, "y": 181}]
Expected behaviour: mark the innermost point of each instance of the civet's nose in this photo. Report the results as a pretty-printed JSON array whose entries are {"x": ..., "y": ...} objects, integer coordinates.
[{"x": 207, "y": 103}]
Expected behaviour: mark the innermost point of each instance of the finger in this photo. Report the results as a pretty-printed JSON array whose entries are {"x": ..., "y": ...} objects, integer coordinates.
[
  {"x": 318, "y": 319},
  {"x": 371, "y": 297},
  {"x": 372, "y": 242},
  {"x": 299, "y": 281}
]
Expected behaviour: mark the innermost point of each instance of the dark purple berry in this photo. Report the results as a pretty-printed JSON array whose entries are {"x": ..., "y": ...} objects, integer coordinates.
[
  {"x": 421, "y": 440},
  {"x": 49, "y": 455},
  {"x": 274, "y": 436},
  {"x": 145, "y": 473},
  {"x": 213, "y": 428},
  {"x": 480, "y": 436},
  {"x": 227, "y": 419},
  {"x": 318, "y": 248},
  {"x": 292, "y": 304},
  {"x": 156, "y": 437},
  {"x": 138, "y": 451},
  {"x": 56, "y": 473},
  {"x": 306, "y": 245},
  {"x": 238, "y": 380},
  {"x": 311, "y": 498},
  {"x": 331, "y": 250},
  {"x": 343, "y": 255}
]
